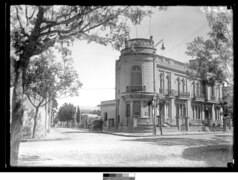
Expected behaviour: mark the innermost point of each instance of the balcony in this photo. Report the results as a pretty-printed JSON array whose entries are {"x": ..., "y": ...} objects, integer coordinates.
[
  {"x": 199, "y": 97},
  {"x": 170, "y": 93},
  {"x": 182, "y": 95},
  {"x": 130, "y": 89},
  {"x": 212, "y": 97}
]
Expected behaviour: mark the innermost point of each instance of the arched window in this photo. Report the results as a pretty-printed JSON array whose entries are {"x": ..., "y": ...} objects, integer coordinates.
[
  {"x": 161, "y": 82},
  {"x": 168, "y": 82},
  {"x": 183, "y": 85},
  {"x": 212, "y": 90},
  {"x": 178, "y": 79},
  {"x": 218, "y": 91},
  {"x": 136, "y": 76},
  {"x": 198, "y": 88},
  {"x": 194, "y": 88}
]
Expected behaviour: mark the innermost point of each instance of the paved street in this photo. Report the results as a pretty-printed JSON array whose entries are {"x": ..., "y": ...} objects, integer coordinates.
[{"x": 84, "y": 149}]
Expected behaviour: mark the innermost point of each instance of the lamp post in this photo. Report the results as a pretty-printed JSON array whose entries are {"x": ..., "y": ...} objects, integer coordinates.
[{"x": 154, "y": 97}]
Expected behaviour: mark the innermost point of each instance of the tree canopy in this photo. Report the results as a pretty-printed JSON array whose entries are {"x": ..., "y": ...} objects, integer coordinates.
[
  {"x": 48, "y": 25},
  {"x": 215, "y": 54},
  {"x": 66, "y": 112},
  {"x": 47, "y": 79}
]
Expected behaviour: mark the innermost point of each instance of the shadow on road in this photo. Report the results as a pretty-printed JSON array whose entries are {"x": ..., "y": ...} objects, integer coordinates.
[
  {"x": 32, "y": 158},
  {"x": 212, "y": 155},
  {"x": 216, "y": 151},
  {"x": 67, "y": 132},
  {"x": 182, "y": 141}
]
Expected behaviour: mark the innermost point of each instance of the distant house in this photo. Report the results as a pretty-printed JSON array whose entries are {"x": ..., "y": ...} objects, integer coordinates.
[{"x": 108, "y": 113}]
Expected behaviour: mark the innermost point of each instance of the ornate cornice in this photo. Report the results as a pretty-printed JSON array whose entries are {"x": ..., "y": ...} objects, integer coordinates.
[{"x": 171, "y": 68}]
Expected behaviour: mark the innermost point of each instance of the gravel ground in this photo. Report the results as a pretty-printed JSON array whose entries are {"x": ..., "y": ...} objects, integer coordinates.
[{"x": 84, "y": 149}]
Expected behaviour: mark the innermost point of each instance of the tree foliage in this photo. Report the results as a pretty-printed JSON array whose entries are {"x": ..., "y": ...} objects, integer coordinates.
[
  {"x": 227, "y": 103},
  {"x": 46, "y": 79},
  {"x": 214, "y": 55},
  {"x": 66, "y": 112},
  {"x": 52, "y": 24}
]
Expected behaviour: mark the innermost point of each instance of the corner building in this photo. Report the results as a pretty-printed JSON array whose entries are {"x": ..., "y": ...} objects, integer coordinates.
[{"x": 181, "y": 102}]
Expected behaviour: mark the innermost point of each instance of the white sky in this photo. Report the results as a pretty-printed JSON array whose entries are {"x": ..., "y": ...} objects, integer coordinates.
[{"x": 96, "y": 63}]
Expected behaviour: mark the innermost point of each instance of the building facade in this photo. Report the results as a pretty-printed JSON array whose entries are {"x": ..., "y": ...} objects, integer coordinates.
[{"x": 141, "y": 75}]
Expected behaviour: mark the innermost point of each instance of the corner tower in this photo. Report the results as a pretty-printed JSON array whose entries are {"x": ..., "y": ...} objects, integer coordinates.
[{"x": 134, "y": 83}]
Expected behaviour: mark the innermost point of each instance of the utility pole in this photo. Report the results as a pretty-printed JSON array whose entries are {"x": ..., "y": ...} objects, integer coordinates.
[
  {"x": 154, "y": 102},
  {"x": 154, "y": 97}
]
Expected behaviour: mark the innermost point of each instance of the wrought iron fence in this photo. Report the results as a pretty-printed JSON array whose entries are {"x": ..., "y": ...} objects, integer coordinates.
[
  {"x": 135, "y": 88},
  {"x": 212, "y": 97},
  {"x": 182, "y": 94},
  {"x": 199, "y": 96}
]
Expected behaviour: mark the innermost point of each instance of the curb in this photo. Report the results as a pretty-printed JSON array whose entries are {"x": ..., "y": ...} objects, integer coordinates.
[
  {"x": 158, "y": 135},
  {"x": 36, "y": 140}
]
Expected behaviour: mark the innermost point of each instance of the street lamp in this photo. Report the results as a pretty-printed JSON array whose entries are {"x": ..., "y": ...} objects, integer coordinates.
[{"x": 154, "y": 97}]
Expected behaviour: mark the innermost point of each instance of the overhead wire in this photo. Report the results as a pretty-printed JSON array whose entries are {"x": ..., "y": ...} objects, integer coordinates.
[{"x": 186, "y": 38}]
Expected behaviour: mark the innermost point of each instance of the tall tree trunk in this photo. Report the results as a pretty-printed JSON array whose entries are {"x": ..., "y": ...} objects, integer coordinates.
[
  {"x": 50, "y": 115},
  {"x": 35, "y": 123},
  {"x": 17, "y": 115}
]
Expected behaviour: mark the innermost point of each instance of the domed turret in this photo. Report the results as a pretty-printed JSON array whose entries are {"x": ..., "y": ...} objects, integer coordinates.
[{"x": 138, "y": 45}]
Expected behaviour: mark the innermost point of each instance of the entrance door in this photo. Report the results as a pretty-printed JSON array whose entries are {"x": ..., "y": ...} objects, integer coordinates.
[
  {"x": 136, "y": 108},
  {"x": 206, "y": 114}
]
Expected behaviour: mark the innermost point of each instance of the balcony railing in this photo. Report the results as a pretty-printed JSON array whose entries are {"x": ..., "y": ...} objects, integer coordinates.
[
  {"x": 135, "y": 88},
  {"x": 170, "y": 92},
  {"x": 212, "y": 97},
  {"x": 182, "y": 94},
  {"x": 199, "y": 96}
]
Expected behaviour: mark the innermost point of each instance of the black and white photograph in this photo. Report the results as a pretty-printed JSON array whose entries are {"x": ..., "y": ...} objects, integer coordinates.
[{"x": 121, "y": 86}]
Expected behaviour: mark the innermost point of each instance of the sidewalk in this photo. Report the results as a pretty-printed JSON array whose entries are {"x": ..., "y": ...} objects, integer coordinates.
[
  {"x": 176, "y": 133},
  {"x": 51, "y": 136}
]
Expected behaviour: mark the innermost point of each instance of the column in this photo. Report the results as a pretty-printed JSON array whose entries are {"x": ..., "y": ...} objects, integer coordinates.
[
  {"x": 131, "y": 108},
  {"x": 130, "y": 119},
  {"x": 173, "y": 87},
  {"x": 221, "y": 115},
  {"x": 141, "y": 108},
  {"x": 186, "y": 118},
  {"x": 213, "y": 113},
  {"x": 202, "y": 110},
  {"x": 165, "y": 112},
  {"x": 190, "y": 112},
  {"x": 177, "y": 116},
  {"x": 173, "y": 110}
]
